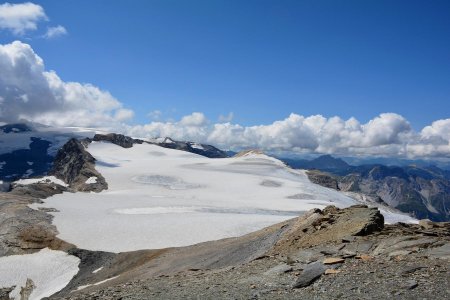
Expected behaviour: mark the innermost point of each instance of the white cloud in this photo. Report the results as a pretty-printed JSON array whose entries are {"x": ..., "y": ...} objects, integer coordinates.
[
  {"x": 123, "y": 114},
  {"x": 54, "y": 32},
  {"x": 33, "y": 93},
  {"x": 19, "y": 18},
  {"x": 388, "y": 134},
  {"x": 195, "y": 119}
]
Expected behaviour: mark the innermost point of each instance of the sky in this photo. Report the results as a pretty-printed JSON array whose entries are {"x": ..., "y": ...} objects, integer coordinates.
[{"x": 316, "y": 72}]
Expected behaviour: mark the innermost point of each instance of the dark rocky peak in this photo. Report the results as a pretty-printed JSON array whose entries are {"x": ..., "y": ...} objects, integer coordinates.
[
  {"x": 324, "y": 163},
  {"x": 329, "y": 162},
  {"x": 197, "y": 148},
  {"x": 117, "y": 139},
  {"x": 15, "y": 128},
  {"x": 380, "y": 172},
  {"x": 23, "y": 163},
  {"x": 74, "y": 165}
]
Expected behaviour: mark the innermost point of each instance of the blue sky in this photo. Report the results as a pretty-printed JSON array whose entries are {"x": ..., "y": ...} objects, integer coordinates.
[
  {"x": 260, "y": 60},
  {"x": 281, "y": 71}
]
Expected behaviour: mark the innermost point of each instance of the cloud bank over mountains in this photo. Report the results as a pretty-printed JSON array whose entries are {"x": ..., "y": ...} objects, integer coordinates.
[
  {"x": 29, "y": 91},
  {"x": 388, "y": 134}
]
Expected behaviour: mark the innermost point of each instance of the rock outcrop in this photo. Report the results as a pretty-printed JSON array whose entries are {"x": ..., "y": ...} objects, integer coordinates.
[
  {"x": 323, "y": 179},
  {"x": 25, "y": 230},
  {"x": 74, "y": 165},
  {"x": 329, "y": 225},
  {"x": 4, "y": 292},
  {"x": 38, "y": 190},
  {"x": 197, "y": 148},
  {"x": 117, "y": 139},
  {"x": 192, "y": 147}
]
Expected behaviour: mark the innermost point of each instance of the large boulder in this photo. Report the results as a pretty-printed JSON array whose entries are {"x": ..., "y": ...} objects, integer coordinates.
[{"x": 329, "y": 225}]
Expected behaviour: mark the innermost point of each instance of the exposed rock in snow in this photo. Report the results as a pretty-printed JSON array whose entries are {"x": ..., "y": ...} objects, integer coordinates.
[
  {"x": 117, "y": 139},
  {"x": 200, "y": 149},
  {"x": 74, "y": 165},
  {"x": 45, "y": 179}
]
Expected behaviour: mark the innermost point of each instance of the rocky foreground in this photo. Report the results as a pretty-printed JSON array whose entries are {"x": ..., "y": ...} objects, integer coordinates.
[{"x": 329, "y": 254}]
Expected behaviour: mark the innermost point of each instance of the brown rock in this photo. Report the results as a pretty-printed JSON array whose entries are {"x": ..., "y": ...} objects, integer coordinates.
[
  {"x": 330, "y": 225},
  {"x": 426, "y": 224},
  {"x": 331, "y": 271},
  {"x": 364, "y": 257},
  {"x": 333, "y": 260}
]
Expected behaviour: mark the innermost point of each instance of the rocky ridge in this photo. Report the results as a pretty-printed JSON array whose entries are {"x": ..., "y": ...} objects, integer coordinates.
[
  {"x": 25, "y": 230},
  {"x": 117, "y": 139},
  {"x": 197, "y": 148},
  {"x": 74, "y": 165}
]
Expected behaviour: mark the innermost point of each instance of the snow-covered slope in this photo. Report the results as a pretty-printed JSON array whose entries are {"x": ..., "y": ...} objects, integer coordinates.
[
  {"x": 49, "y": 270},
  {"x": 160, "y": 197}
]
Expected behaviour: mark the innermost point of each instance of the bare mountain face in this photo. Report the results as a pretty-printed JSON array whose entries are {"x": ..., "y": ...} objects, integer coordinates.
[
  {"x": 420, "y": 192},
  {"x": 423, "y": 192}
]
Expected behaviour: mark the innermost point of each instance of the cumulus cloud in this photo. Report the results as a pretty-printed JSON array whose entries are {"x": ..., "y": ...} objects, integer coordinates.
[
  {"x": 28, "y": 91},
  {"x": 388, "y": 134},
  {"x": 195, "y": 119},
  {"x": 54, "y": 32},
  {"x": 19, "y": 18}
]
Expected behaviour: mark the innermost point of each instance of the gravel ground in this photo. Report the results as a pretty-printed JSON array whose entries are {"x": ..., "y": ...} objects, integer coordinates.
[{"x": 401, "y": 277}]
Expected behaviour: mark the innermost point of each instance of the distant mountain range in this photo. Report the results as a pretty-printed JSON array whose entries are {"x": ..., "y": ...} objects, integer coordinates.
[
  {"x": 323, "y": 163},
  {"x": 423, "y": 191}
]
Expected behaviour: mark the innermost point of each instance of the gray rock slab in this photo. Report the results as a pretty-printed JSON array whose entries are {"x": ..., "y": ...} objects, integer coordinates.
[
  {"x": 278, "y": 270},
  {"x": 310, "y": 274}
]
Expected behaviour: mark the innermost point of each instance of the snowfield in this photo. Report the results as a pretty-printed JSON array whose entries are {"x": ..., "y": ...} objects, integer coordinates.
[
  {"x": 50, "y": 271},
  {"x": 160, "y": 197},
  {"x": 44, "y": 179}
]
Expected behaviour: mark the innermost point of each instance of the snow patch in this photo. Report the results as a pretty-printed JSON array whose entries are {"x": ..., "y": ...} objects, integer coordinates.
[
  {"x": 197, "y": 146},
  {"x": 50, "y": 271},
  {"x": 45, "y": 179},
  {"x": 97, "y": 270},
  {"x": 81, "y": 287},
  {"x": 92, "y": 179}
]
